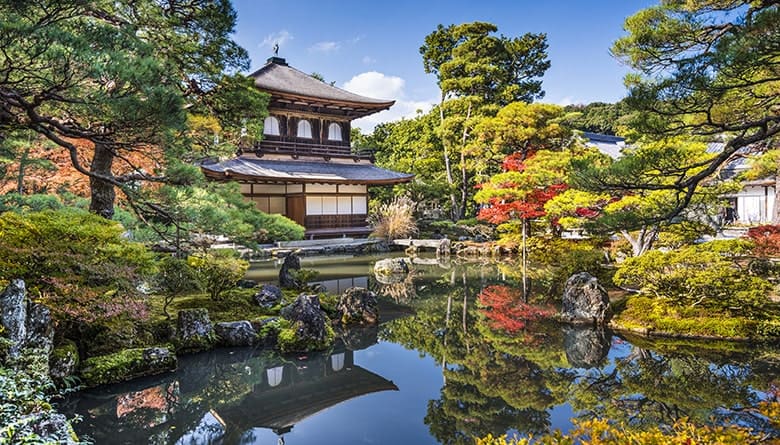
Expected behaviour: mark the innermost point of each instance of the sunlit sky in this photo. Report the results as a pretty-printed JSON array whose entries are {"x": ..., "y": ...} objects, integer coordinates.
[{"x": 372, "y": 47}]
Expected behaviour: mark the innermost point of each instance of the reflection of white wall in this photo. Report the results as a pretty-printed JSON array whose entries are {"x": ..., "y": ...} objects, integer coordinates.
[
  {"x": 275, "y": 375},
  {"x": 337, "y": 361}
]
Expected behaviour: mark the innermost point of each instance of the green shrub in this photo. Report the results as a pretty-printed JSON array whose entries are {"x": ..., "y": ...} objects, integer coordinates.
[
  {"x": 76, "y": 263},
  {"x": 218, "y": 271},
  {"x": 122, "y": 366},
  {"x": 175, "y": 277},
  {"x": 707, "y": 275}
]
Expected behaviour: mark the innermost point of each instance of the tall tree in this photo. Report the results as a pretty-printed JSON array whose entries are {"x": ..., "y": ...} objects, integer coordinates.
[
  {"x": 704, "y": 67},
  {"x": 121, "y": 74},
  {"x": 477, "y": 73}
]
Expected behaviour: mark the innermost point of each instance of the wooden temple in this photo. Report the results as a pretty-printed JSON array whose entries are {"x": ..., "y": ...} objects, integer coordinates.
[{"x": 304, "y": 167}]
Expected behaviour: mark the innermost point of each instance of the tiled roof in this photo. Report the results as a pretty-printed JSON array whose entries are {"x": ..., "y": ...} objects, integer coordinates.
[
  {"x": 276, "y": 75},
  {"x": 607, "y": 144},
  {"x": 251, "y": 168}
]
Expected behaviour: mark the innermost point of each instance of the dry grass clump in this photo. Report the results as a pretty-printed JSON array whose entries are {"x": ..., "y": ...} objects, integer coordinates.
[{"x": 395, "y": 219}]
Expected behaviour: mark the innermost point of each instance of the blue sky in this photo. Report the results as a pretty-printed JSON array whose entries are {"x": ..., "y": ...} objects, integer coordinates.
[{"x": 372, "y": 48}]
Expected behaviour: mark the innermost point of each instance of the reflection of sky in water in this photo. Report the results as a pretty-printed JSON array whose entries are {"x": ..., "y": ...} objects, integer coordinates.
[
  {"x": 384, "y": 417},
  {"x": 389, "y": 417}
]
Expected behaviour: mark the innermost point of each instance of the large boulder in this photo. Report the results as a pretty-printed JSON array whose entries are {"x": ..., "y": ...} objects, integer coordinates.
[
  {"x": 268, "y": 296},
  {"x": 309, "y": 326},
  {"x": 127, "y": 365},
  {"x": 288, "y": 273},
  {"x": 585, "y": 346},
  {"x": 236, "y": 333},
  {"x": 13, "y": 316},
  {"x": 194, "y": 330},
  {"x": 358, "y": 305},
  {"x": 40, "y": 329},
  {"x": 391, "y": 266},
  {"x": 585, "y": 301}
]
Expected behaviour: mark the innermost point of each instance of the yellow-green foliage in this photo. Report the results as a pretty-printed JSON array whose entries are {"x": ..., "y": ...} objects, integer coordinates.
[
  {"x": 122, "y": 366},
  {"x": 683, "y": 432},
  {"x": 77, "y": 263},
  {"x": 394, "y": 219},
  {"x": 658, "y": 315},
  {"x": 707, "y": 276},
  {"x": 218, "y": 271}
]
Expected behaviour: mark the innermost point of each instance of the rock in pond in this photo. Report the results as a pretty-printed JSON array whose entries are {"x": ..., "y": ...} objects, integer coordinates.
[
  {"x": 13, "y": 315},
  {"x": 127, "y": 365},
  {"x": 64, "y": 361},
  {"x": 392, "y": 266},
  {"x": 287, "y": 274},
  {"x": 585, "y": 346},
  {"x": 309, "y": 329},
  {"x": 236, "y": 333},
  {"x": 268, "y": 296},
  {"x": 358, "y": 305},
  {"x": 585, "y": 301},
  {"x": 194, "y": 330}
]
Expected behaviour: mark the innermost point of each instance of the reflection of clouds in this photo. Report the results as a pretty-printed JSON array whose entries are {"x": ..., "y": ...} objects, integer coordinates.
[{"x": 210, "y": 430}]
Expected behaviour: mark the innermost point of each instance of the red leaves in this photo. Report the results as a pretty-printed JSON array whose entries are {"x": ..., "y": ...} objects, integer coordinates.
[
  {"x": 503, "y": 307},
  {"x": 501, "y": 211},
  {"x": 767, "y": 240}
]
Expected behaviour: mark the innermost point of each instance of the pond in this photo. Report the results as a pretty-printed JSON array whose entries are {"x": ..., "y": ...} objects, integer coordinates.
[{"x": 448, "y": 362}]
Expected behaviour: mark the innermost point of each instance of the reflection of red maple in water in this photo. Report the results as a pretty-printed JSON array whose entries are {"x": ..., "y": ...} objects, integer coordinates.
[
  {"x": 161, "y": 399},
  {"x": 503, "y": 306}
]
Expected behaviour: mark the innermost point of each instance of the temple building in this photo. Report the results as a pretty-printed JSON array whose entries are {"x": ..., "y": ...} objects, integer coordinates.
[{"x": 304, "y": 167}]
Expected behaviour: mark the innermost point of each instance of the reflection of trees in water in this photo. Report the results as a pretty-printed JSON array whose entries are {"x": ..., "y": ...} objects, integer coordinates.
[
  {"x": 647, "y": 388},
  {"x": 497, "y": 380}
]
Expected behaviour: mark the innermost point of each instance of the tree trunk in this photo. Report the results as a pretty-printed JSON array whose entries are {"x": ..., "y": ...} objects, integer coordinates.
[
  {"x": 464, "y": 179},
  {"x": 447, "y": 164},
  {"x": 22, "y": 167},
  {"x": 643, "y": 241},
  {"x": 776, "y": 210},
  {"x": 102, "y": 192}
]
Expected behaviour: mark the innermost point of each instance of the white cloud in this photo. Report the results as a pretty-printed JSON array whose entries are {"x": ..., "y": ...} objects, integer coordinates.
[
  {"x": 380, "y": 86},
  {"x": 325, "y": 47},
  {"x": 280, "y": 37},
  {"x": 368, "y": 60},
  {"x": 568, "y": 100}
]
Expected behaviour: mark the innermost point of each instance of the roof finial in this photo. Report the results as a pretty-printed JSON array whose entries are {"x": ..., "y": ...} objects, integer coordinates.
[{"x": 276, "y": 49}]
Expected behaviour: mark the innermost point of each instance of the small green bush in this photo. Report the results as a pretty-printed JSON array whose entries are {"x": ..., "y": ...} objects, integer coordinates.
[{"x": 218, "y": 271}]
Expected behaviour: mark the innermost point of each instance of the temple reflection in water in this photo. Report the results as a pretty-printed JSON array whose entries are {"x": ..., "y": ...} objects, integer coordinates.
[{"x": 224, "y": 397}]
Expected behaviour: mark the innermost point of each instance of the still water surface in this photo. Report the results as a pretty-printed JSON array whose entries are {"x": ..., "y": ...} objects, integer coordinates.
[{"x": 446, "y": 364}]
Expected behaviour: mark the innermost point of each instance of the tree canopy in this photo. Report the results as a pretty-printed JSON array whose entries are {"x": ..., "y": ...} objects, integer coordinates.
[
  {"x": 124, "y": 76},
  {"x": 704, "y": 68}
]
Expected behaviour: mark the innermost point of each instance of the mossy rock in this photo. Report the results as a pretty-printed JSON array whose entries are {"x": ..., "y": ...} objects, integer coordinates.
[
  {"x": 194, "y": 331},
  {"x": 114, "y": 335},
  {"x": 127, "y": 365},
  {"x": 290, "y": 339},
  {"x": 64, "y": 360}
]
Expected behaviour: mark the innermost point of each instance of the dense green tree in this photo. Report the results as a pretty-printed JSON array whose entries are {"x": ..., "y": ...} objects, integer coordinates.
[
  {"x": 478, "y": 72},
  {"x": 708, "y": 68},
  {"x": 121, "y": 75},
  {"x": 598, "y": 117}
]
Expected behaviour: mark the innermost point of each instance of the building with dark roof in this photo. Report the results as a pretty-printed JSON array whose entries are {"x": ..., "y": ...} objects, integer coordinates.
[{"x": 305, "y": 168}]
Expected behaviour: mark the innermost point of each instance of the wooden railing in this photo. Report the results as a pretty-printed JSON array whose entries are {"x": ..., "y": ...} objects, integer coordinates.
[
  {"x": 308, "y": 149},
  {"x": 333, "y": 221}
]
